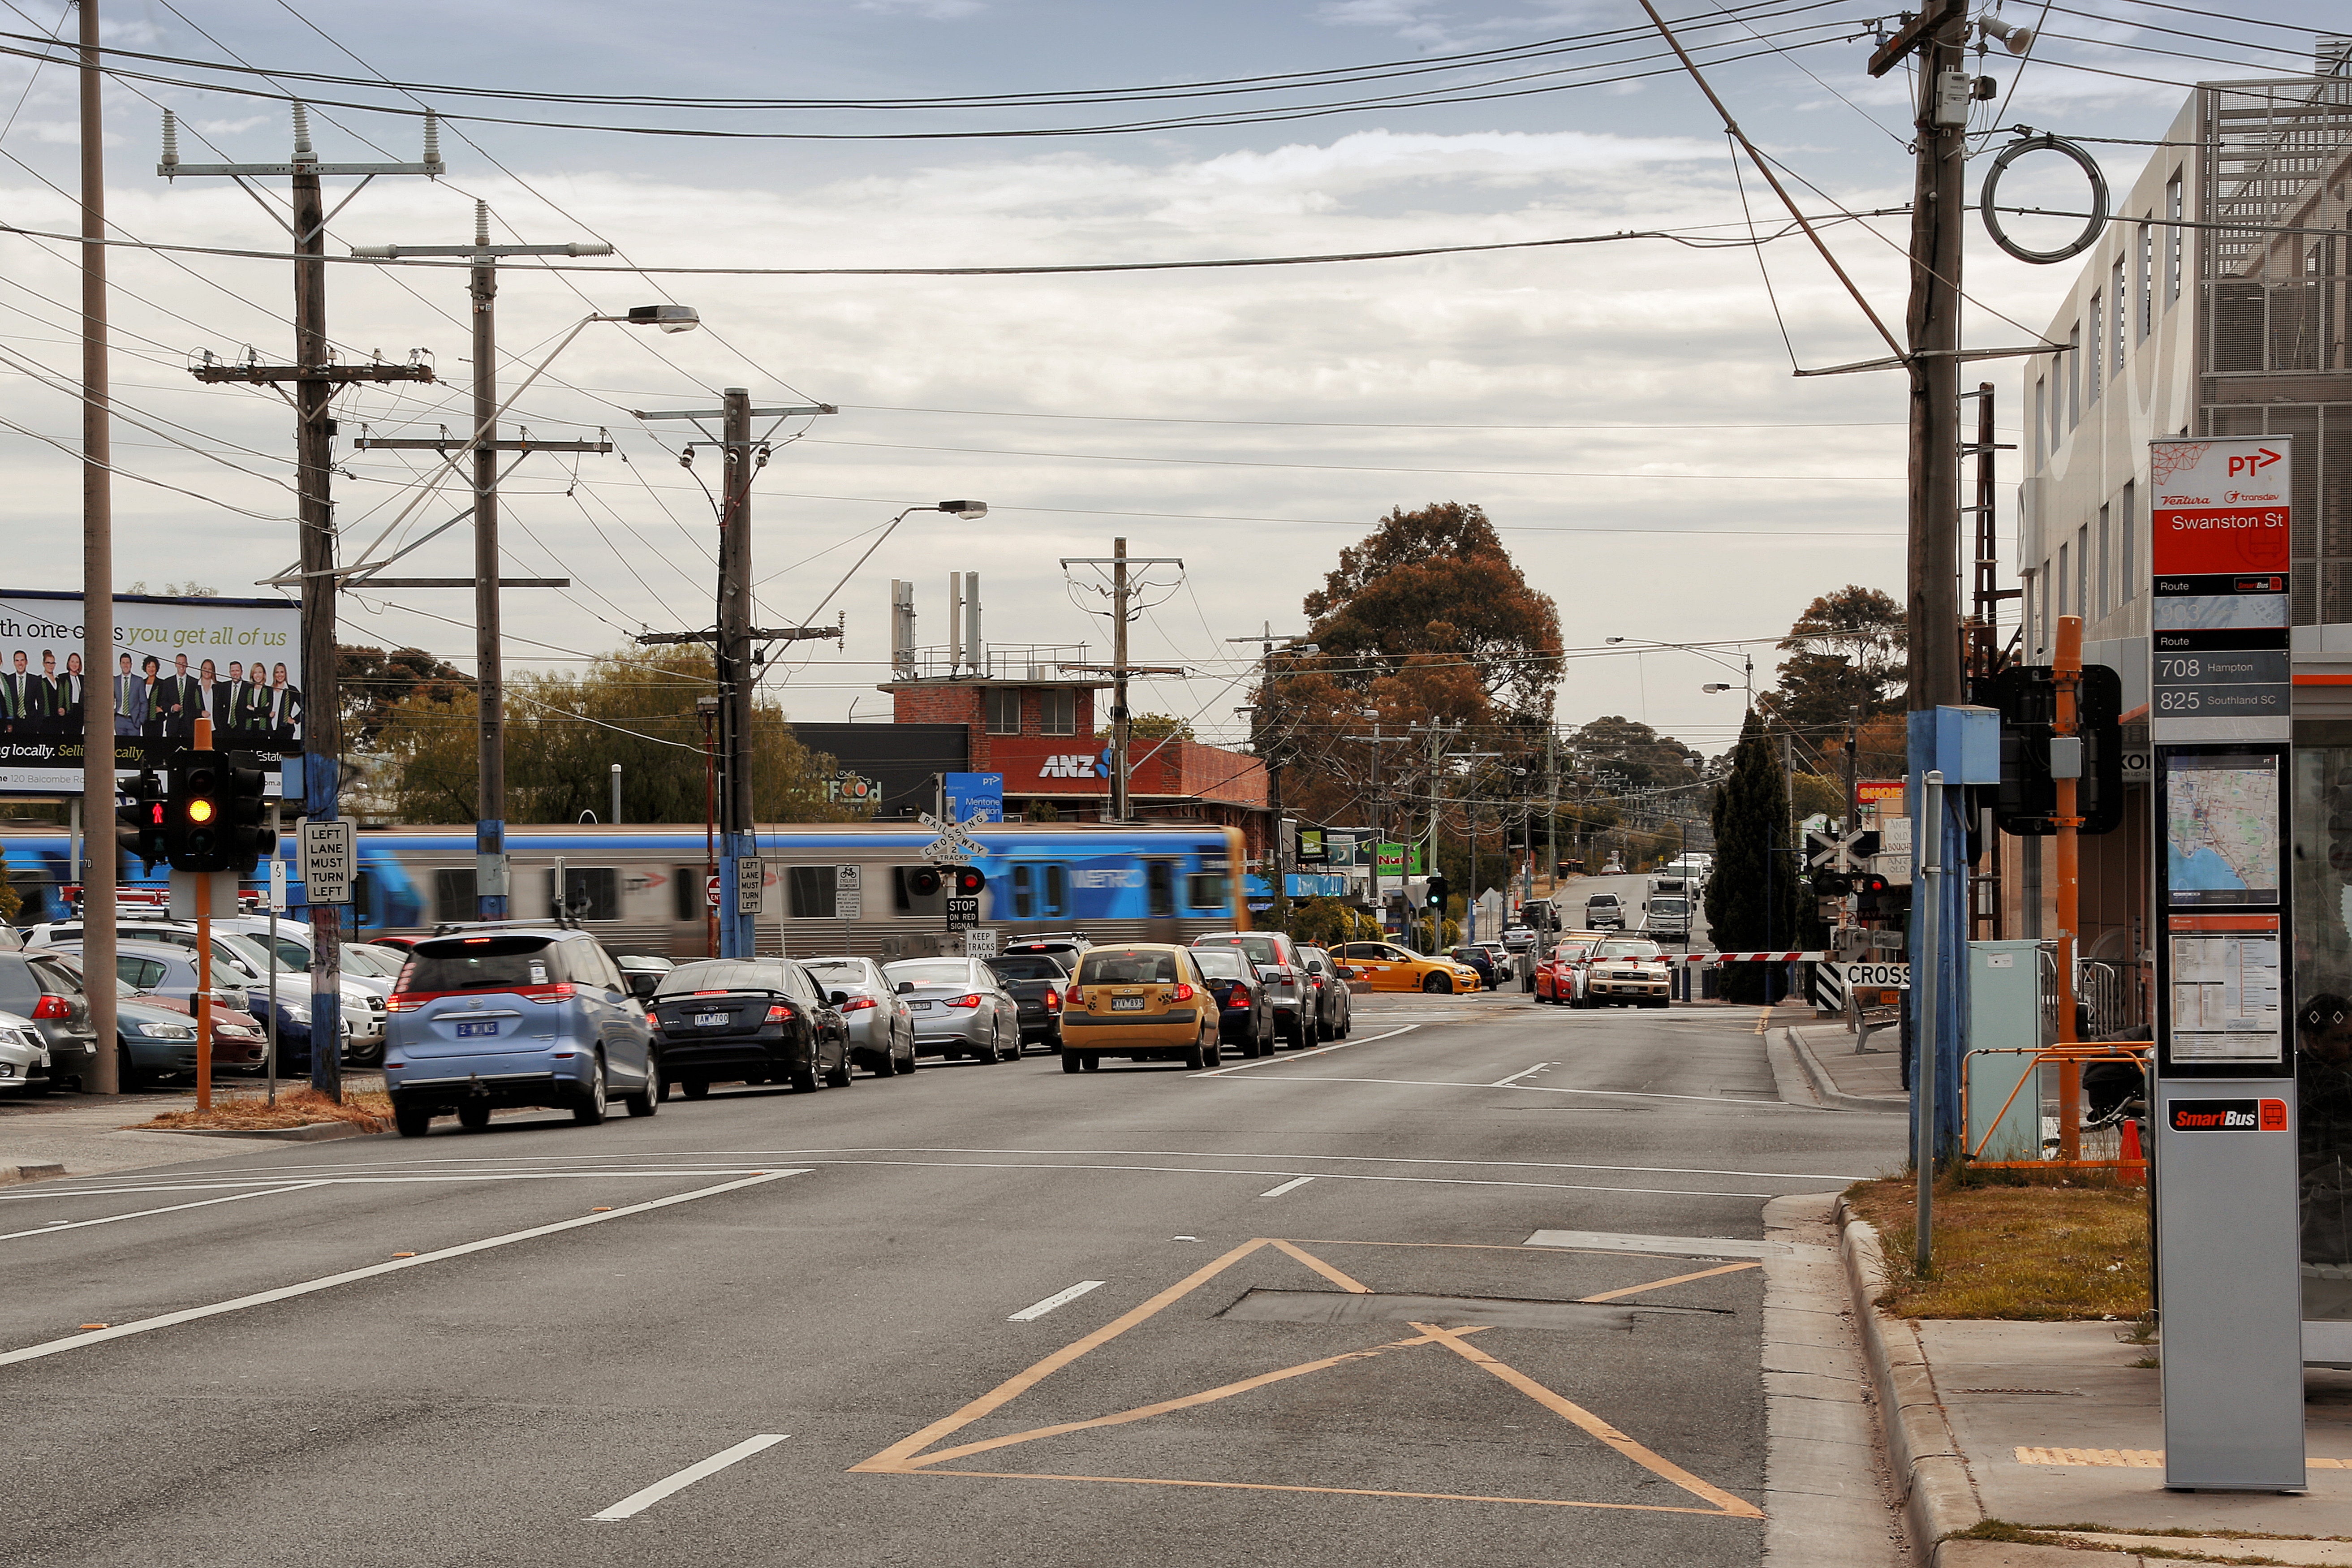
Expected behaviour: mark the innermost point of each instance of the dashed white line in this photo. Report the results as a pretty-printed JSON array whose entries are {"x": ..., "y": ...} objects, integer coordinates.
[
  {"x": 56, "y": 1226},
  {"x": 1507, "y": 1082},
  {"x": 1058, "y": 1298},
  {"x": 1302, "y": 1055},
  {"x": 1291, "y": 1186},
  {"x": 638, "y": 1503}
]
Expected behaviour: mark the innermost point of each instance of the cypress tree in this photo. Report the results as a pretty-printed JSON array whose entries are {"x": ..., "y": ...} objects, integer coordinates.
[{"x": 1751, "y": 896}]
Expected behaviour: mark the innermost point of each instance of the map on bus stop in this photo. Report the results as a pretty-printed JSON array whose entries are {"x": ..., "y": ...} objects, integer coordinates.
[{"x": 2221, "y": 831}]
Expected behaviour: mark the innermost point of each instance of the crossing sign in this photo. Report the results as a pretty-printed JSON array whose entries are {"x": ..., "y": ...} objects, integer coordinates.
[
  {"x": 954, "y": 842},
  {"x": 1825, "y": 852}
]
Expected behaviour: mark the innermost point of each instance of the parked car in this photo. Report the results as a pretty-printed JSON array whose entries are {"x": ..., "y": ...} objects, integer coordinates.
[
  {"x": 1518, "y": 938},
  {"x": 155, "y": 1037},
  {"x": 1063, "y": 947},
  {"x": 166, "y": 970},
  {"x": 961, "y": 1008},
  {"x": 1478, "y": 960},
  {"x": 515, "y": 1014},
  {"x": 1335, "y": 1004},
  {"x": 241, "y": 962},
  {"x": 1244, "y": 1013},
  {"x": 1036, "y": 980},
  {"x": 34, "y": 986},
  {"x": 1145, "y": 1001},
  {"x": 24, "y": 1054},
  {"x": 1626, "y": 973},
  {"x": 1604, "y": 911},
  {"x": 364, "y": 989},
  {"x": 748, "y": 1020},
  {"x": 1392, "y": 968},
  {"x": 1276, "y": 958},
  {"x": 881, "y": 1029},
  {"x": 1560, "y": 979}
]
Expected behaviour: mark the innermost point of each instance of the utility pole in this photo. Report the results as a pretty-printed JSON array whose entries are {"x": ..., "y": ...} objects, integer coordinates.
[
  {"x": 1269, "y": 750},
  {"x": 98, "y": 794},
  {"x": 1122, "y": 590},
  {"x": 490, "y": 878},
  {"x": 730, "y": 642},
  {"x": 315, "y": 378}
]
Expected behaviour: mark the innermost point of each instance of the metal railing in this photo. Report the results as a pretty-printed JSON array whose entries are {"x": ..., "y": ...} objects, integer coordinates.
[
  {"x": 2063, "y": 1139},
  {"x": 1039, "y": 662}
]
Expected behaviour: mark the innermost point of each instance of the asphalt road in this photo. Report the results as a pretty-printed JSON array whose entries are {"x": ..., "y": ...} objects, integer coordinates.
[{"x": 1287, "y": 1313}]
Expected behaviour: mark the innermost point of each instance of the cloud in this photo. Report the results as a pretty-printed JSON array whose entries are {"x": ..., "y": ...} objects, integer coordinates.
[{"x": 932, "y": 10}]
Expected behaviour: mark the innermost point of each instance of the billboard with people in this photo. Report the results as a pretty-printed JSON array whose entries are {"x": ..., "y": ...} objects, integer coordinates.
[{"x": 234, "y": 662}]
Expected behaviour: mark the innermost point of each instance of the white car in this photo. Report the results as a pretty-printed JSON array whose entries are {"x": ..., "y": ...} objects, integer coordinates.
[
  {"x": 243, "y": 962},
  {"x": 24, "y": 1057}
]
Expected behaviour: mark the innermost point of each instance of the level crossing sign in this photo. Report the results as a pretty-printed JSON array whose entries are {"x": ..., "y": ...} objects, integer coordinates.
[
  {"x": 954, "y": 844},
  {"x": 1851, "y": 852}
]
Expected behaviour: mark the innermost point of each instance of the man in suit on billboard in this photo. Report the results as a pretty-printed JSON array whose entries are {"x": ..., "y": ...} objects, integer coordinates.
[
  {"x": 20, "y": 691},
  {"x": 130, "y": 699},
  {"x": 183, "y": 701},
  {"x": 230, "y": 700},
  {"x": 284, "y": 709}
]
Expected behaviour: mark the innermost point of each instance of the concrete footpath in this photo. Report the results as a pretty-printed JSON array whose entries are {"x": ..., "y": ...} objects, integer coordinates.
[{"x": 2056, "y": 1427}]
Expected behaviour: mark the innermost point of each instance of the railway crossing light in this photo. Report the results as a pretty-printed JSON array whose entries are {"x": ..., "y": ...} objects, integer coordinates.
[
  {"x": 968, "y": 880},
  {"x": 194, "y": 813},
  {"x": 923, "y": 881}
]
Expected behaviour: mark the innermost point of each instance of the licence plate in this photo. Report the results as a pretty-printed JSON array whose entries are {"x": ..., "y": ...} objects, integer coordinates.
[
  {"x": 471, "y": 1031},
  {"x": 1127, "y": 1004},
  {"x": 918, "y": 1007},
  {"x": 710, "y": 1020}
]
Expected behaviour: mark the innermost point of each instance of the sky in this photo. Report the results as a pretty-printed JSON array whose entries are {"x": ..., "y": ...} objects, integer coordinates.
[{"x": 1624, "y": 410}]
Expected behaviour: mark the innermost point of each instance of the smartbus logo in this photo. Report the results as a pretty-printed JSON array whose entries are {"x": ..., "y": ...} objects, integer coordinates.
[{"x": 2228, "y": 1115}]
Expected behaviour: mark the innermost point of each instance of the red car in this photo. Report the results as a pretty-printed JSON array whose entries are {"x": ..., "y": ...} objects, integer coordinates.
[{"x": 1560, "y": 978}]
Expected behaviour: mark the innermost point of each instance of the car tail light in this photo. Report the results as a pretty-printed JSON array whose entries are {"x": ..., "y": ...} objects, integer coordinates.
[
  {"x": 400, "y": 1001},
  {"x": 859, "y": 1005},
  {"x": 969, "y": 999},
  {"x": 52, "y": 1007},
  {"x": 720, "y": 993},
  {"x": 561, "y": 991},
  {"x": 778, "y": 1012},
  {"x": 1184, "y": 992},
  {"x": 1078, "y": 997},
  {"x": 1238, "y": 996},
  {"x": 1054, "y": 1000}
]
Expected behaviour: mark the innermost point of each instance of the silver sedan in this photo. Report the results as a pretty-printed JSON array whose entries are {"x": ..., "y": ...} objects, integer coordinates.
[
  {"x": 881, "y": 1027},
  {"x": 960, "y": 1007}
]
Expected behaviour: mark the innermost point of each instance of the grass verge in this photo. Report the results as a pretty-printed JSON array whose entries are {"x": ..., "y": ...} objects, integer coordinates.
[
  {"x": 2036, "y": 1253},
  {"x": 371, "y": 1111},
  {"x": 2213, "y": 1546}
]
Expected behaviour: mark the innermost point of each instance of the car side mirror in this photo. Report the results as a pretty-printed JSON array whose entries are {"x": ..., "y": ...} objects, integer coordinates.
[
  {"x": 906, "y": 988},
  {"x": 835, "y": 998},
  {"x": 643, "y": 987}
]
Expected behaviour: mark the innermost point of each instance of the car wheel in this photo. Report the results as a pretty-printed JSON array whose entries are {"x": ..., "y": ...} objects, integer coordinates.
[
  {"x": 127, "y": 1079},
  {"x": 838, "y": 1078},
  {"x": 1090, "y": 1062},
  {"x": 474, "y": 1115},
  {"x": 648, "y": 1100},
  {"x": 1204, "y": 1055},
  {"x": 908, "y": 1065},
  {"x": 883, "y": 1066},
  {"x": 803, "y": 1078},
  {"x": 661, "y": 1089},
  {"x": 696, "y": 1088},
  {"x": 1436, "y": 985},
  {"x": 589, "y": 1112},
  {"x": 413, "y": 1121},
  {"x": 1070, "y": 1061}
]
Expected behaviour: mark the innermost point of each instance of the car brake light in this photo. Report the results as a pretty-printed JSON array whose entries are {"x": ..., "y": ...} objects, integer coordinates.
[
  {"x": 859, "y": 1003},
  {"x": 1238, "y": 996},
  {"x": 399, "y": 1003},
  {"x": 1078, "y": 997},
  {"x": 710, "y": 993},
  {"x": 1184, "y": 992},
  {"x": 52, "y": 1007},
  {"x": 779, "y": 1012},
  {"x": 561, "y": 991},
  {"x": 1052, "y": 1000},
  {"x": 969, "y": 999}
]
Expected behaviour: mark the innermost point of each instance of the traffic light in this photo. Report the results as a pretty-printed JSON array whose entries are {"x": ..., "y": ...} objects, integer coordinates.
[
  {"x": 968, "y": 880},
  {"x": 196, "y": 812},
  {"x": 1437, "y": 893},
  {"x": 141, "y": 825},
  {"x": 245, "y": 813},
  {"x": 2026, "y": 801}
]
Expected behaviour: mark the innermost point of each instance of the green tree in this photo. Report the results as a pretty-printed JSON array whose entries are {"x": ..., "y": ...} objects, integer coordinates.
[
  {"x": 370, "y": 683},
  {"x": 1847, "y": 651},
  {"x": 1153, "y": 727},
  {"x": 1751, "y": 899}
]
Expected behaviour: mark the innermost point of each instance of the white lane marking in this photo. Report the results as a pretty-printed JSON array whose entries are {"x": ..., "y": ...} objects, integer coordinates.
[
  {"x": 1333, "y": 1176},
  {"x": 1302, "y": 1055},
  {"x": 1058, "y": 1298},
  {"x": 288, "y": 1184},
  {"x": 56, "y": 1226},
  {"x": 1545, "y": 1088},
  {"x": 1507, "y": 1082},
  {"x": 1291, "y": 1186},
  {"x": 352, "y": 1276},
  {"x": 638, "y": 1503}
]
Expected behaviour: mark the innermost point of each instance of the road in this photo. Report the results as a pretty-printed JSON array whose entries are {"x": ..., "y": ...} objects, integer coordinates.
[{"x": 1289, "y": 1312}]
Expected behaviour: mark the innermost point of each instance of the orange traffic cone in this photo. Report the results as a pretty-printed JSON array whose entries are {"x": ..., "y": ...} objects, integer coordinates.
[{"x": 2131, "y": 1152}]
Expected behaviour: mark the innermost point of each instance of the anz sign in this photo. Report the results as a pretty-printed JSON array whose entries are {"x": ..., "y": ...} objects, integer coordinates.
[{"x": 1077, "y": 766}]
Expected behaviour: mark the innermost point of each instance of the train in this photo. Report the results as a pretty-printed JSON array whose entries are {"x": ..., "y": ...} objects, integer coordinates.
[{"x": 827, "y": 887}]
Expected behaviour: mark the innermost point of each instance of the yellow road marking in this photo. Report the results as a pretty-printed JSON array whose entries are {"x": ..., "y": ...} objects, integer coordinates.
[
  {"x": 1568, "y": 1410},
  {"x": 1677, "y": 1280},
  {"x": 2130, "y": 1459},
  {"x": 1763, "y": 1019},
  {"x": 1323, "y": 1491},
  {"x": 1325, "y": 1270},
  {"x": 1167, "y": 1406}
]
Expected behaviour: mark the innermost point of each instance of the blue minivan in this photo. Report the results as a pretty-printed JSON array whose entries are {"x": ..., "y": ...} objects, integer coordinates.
[{"x": 509, "y": 1014}]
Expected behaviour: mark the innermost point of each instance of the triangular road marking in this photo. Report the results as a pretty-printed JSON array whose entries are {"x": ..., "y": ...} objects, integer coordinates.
[{"x": 916, "y": 1455}]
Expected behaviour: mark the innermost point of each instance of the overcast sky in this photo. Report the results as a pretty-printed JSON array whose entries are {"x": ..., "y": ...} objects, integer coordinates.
[{"x": 1623, "y": 411}]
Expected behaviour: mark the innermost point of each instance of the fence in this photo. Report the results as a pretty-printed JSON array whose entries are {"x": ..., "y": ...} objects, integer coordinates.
[{"x": 2054, "y": 1126}]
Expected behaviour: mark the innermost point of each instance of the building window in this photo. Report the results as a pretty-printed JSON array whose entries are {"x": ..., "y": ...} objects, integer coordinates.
[
  {"x": 2059, "y": 608},
  {"x": 1057, "y": 710},
  {"x": 2041, "y": 421},
  {"x": 2116, "y": 292},
  {"x": 2128, "y": 521},
  {"x": 2083, "y": 572},
  {"x": 2105, "y": 561},
  {"x": 1003, "y": 710},
  {"x": 2073, "y": 375},
  {"x": 2144, "y": 277},
  {"x": 453, "y": 896},
  {"x": 811, "y": 892},
  {"x": 2172, "y": 211},
  {"x": 2091, "y": 367}
]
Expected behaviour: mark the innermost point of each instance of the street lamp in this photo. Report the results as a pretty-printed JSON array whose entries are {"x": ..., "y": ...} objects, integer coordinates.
[
  {"x": 1745, "y": 666},
  {"x": 969, "y": 510}
]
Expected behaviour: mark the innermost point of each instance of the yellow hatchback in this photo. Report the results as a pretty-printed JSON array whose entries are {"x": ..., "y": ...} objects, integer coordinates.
[
  {"x": 1391, "y": 968},
  {"x": 1146, "y": 1001}
]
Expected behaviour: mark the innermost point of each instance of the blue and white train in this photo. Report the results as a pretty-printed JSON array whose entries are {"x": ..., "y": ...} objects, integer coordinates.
[{"x": 829, "y": 887}]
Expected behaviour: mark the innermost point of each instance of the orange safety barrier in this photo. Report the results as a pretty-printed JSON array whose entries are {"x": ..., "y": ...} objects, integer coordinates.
[{"x": 2129, "y": 1159}]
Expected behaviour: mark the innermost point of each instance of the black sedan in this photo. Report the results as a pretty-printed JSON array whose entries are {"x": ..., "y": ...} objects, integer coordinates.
[
  {"x": 1246, "y": 1012},
  {"x": 1035, "y": 982},
  {"x": 732, "y": 1020},
  {"x": 1479, "y": 959}
]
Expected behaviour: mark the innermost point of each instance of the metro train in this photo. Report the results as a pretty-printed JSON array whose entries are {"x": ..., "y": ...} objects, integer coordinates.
[{"x": 827, "y": 887}]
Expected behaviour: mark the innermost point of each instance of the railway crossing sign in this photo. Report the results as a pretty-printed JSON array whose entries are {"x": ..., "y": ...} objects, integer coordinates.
[
  {"x": 1849, "y": 853},
  {"x": 954, "y": 844}
]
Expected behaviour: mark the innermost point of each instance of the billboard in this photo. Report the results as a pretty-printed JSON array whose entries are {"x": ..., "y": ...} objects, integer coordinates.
[{"x": 235, "y": 661}]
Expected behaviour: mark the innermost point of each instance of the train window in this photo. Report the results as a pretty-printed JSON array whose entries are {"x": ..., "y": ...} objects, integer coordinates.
[
  {"x": 363, "y": 900},
  {"x": 453, "y": 896},
  {"x": 592, "y": 892},
  {"x": 687, "y": 900},
  {"x": 1160, "y": 887},
  {"x": 1057, "y": 890},
  {"x": 1024, "y": 893},
  {"x": 811, "y": 890},
  {"x": 1207, "y": 890}
]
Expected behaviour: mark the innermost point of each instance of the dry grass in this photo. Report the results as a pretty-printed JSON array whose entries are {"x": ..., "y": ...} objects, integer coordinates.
[
  {"x": 2040, "y": 1252},
  {"x": 297, "y": 1107}
]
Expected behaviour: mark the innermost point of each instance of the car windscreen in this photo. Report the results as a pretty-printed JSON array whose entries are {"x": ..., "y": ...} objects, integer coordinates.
[
  {"x": 370, "y": 960},
  {"x": 1221, "y": 964},
  {"x": 1261, "y": 949},
  {"x": 722, "y": 974},
  {"x": 478, "y": 963},
  {"x": 1027, "y": 966},
  {"x": 931, "y": 971},
  {"x": 1124, "y": 966},
  {"x": 837, "y": 971},
  {"x": 1667, "y": 906},
  {"x": 1631, "y": 949}
]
